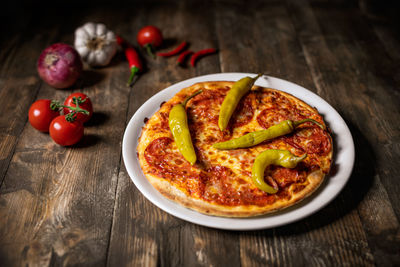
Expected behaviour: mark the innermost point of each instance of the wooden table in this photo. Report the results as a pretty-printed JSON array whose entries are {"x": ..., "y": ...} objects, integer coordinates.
[{"x": 78, "y": 206}]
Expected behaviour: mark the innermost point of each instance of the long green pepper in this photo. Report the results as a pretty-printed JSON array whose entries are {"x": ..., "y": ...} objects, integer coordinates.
[
  {"x": 257, "y": 137},
  {"x": 178, "y": 125},
  {"x": 272, "y": 157},
  {"x": 232, "y": 98}
]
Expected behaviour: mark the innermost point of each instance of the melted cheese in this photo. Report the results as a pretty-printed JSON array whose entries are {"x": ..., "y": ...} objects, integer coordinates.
[{"x": 224, "y": 176}]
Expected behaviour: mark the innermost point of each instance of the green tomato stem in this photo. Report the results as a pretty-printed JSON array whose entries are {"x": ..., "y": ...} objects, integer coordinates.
[
  {"x": 77, "y": 109},
  {"x": 70, "y": 117}
]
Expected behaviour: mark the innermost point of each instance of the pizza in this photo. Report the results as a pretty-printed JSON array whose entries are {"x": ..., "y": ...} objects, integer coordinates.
[{"x": 220, "y": 182}]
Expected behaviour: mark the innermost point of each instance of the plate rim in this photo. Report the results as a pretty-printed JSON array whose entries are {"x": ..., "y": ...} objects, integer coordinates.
[{"x": 258, "y": 222}]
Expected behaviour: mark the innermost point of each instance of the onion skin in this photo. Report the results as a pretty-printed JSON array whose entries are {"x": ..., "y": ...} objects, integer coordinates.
[{"x": 59, "y": 65}]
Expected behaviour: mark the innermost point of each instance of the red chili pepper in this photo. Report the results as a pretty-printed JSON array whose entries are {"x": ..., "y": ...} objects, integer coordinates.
[
  {"x": 174, "y": 52},
  {"x": 132, "y": 56},
  {"x": 201, "y": 53},
  {"x": 183, "y": 56}
]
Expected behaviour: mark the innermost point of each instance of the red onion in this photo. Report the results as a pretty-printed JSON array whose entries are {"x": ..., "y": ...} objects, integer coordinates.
[{"x": 59, "y": 65}]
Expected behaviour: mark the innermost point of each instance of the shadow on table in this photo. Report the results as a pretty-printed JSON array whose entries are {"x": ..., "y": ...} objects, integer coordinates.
[
  {"x": 98, "y": 118},
  {"x": 169, "y": 43},
  {"x": 88, "y": 78},
  {"x": 352, "y": 194},
  {"x": 88, "y": 140},
  {"x": 94, "y": 75}
]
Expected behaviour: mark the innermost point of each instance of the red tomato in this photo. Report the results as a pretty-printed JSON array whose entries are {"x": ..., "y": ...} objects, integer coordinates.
[
  {"x": 66, "y": 133},
  {"x": 87, "y": 105},
  {"x": 41, "y": 115},
  {"x": 149, "y": 35}
]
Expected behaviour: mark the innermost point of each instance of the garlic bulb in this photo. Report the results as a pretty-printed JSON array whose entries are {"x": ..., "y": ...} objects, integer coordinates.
[{"x": 95, "y": 43}]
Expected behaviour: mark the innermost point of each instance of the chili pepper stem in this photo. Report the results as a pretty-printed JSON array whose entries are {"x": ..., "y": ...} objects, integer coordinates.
[
  {"x": 297, "y": 123},
  {"x": 134, "y": 71},
  {"x": 149, "y": 49},
  {"x": 258, "y": 76},
  {"x": 190, "y": 97},
  {"x": 302, "y": 157}
]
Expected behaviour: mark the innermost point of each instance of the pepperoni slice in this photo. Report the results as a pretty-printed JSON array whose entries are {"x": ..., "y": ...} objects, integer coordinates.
[
  {"x": 203, "y": 113},
  {"x": 271, "y": 116},
  {"x": 313, "y": 140},
  {"x": 167, "y": 163},
  {"x": 164, "y": 120},
  {"x": 272, "y": 98},
  {"x": 205, "y": 106},
  {"x": 244, "y": 112},
  {"x": 285, "y": 177},
  {"x": 289, "y": 140},
  {"x": 220, "y": 188}
]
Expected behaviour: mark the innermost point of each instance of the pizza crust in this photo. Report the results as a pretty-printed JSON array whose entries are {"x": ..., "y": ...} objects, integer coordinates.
[
  {"x": 172, "y": 193},
  {"x": 312, "y": 182}
]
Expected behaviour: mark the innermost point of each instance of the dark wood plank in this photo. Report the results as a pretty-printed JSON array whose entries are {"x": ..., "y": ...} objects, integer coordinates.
[
  {"x": 275, "y": 49},
  {"x": 57, "y": 203},
  {"x": 78, "y": 206},
  {"x": 19, "y": 85},
  {"x": 362, "y": 94},
  {"x": 142, "y": 233},
  {"x": 384, "y": 20}
]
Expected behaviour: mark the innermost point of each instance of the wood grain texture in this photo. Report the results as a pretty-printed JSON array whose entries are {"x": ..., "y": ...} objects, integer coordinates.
[
  {"x": 165, "y": 240},
  {"x": 351, "y": 70},
  {"x": 57, "y": 202},
  {"x": 78, "y": 206},
  {"x": 277, "y": 33}
]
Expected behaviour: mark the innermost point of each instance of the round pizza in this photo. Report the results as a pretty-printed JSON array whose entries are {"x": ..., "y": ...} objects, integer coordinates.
[{"x": 220, "y": 181}]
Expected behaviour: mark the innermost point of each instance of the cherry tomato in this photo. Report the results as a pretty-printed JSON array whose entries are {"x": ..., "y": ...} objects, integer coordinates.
[
  {"x": 66, "y": 133},
  {"x": 150, "y": 35},
  {"x": 40, "y": 115},
  {"x": 86, "y": 104}
]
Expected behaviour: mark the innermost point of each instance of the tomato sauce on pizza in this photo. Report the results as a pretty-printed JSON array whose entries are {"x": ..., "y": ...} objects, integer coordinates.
[{"x": 220, "y": 182}]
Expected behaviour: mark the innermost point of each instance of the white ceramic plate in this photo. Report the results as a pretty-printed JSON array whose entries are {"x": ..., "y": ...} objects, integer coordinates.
[{"x": 333, "y": 184}]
